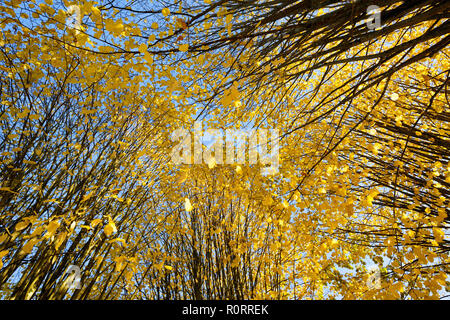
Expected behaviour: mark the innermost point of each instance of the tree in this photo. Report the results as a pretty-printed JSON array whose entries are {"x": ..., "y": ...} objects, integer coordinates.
[{"x": 88, "y": 112}]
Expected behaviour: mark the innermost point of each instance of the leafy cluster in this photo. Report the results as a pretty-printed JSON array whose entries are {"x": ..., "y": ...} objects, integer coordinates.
[{"x": 86, "y": 116}]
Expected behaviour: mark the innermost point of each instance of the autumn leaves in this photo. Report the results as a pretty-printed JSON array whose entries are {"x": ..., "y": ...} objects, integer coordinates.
[{"x": 86, "y": 149}]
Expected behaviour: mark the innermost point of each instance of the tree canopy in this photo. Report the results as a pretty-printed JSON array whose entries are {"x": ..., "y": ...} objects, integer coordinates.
[{"x": 88, "y": 111}]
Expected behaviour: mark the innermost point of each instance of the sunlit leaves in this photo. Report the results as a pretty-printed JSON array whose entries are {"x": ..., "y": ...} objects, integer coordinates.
[
  {"x": 110, "y": 228},
  {"x": 87, "y": 116},
  {"x": 165, "y": 12}
]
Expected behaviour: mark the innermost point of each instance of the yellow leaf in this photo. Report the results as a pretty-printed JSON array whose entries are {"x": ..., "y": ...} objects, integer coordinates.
[
  {"x": 52, "y": 226},
  {"x": 87, "y": 196},
  {"x": 183, "y": 47},
  {"x": 187, "y": 205},
  {"x": 120, "y": 261},
  {"x": 86, "y": 111},
  {"x": 28, "y": 247},
  {"x": 95, "y": 222},
  {"x": 23, "y": 114},
  {"x": 110, "y": 228},
  {"x": 334, "y": 243},
  {"x": 51, "y": 200},
  {"x": 3, "y": 237},
  {"x": 165, "y": 12},
  {"x": 183, "y": 176},
  {"x": 122, "y": 241},
  {"x": 96, "y": 11},
  {"x": 322, "y": 190},
  {"x": 60, "y": 239},
  {"x": 211, "y": 163},
  {"x": 3, "y": 253},
  {"x": 22, "y": 225},
  {"x": 148, "y": 57},
  {"x": 7, "y": 189},
  {"x": 37, "y": 231},
  {"x": 267, "y": 201},
  {"x": 142, "y": 48},
  {"x": 372, "y": 194}
]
